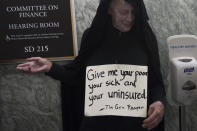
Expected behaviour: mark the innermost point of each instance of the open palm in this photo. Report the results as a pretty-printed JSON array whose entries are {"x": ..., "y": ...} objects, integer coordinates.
[{"x": 35, "y": 65}]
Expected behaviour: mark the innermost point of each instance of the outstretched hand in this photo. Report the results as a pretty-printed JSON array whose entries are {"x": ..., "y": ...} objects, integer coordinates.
[
  {"x": 155, "y": 115},
  {"x": 35, "y": 65}
]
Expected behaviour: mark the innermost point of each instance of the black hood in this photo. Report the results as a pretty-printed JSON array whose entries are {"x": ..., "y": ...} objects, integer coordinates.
[{"x": 93, "y": 36}]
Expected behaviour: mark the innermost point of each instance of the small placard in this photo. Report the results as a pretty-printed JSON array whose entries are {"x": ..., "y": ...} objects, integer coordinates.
[
  {"x": 37, "y": 28},
  {"x": 119, "y": 90}
]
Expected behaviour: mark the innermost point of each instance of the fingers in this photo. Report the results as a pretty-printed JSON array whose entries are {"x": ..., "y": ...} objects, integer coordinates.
[
  {"x": 35, "y": 65},
  {"x": 152, "y": 125},
  {"x": 152, "y": 121},
  {"x": 35, "y": 59},
  {"x": 151, "y": 110},
  {"x": 24, "y": 67},
  {"x": 151, "y": 115},
  {"x": 27, "y": 64},
  {"x": 156, "y": 112}
]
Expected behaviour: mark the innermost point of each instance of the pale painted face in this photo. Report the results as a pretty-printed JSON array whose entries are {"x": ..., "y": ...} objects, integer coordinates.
[{"x": 122, "y": 15}]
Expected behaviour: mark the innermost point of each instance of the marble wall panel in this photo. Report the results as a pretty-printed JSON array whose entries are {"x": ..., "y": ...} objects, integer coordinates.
[{"x": 28, "y": 102}]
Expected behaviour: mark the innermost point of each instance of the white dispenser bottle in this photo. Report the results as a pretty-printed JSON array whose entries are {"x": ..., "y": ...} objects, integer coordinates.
[
  {"x": 184, "y": 80},
  {"x": 182, "y": 76}
]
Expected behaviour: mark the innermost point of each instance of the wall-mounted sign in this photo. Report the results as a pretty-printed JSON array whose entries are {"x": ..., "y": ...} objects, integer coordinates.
[{"x": 37, "y": 28}]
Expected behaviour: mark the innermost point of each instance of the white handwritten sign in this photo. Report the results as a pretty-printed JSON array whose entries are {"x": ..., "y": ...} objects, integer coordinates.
[{"x": 119, "y": 90}]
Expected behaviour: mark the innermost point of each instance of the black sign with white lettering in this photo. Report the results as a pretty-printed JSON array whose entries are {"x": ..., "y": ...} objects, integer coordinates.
[{"x": 37, "y": 28}]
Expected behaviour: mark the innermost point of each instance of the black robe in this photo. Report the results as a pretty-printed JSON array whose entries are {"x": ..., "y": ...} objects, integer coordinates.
[{"x": 102, "y": 44}]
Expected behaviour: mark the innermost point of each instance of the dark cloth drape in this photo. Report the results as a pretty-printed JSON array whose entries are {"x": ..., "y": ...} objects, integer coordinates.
[{"x": 72, "y": 76}]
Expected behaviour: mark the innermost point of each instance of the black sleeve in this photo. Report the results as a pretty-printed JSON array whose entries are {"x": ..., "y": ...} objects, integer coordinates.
[
  {"x": 62, "y": 73},
  {"x": 70, "y": 73},
  {"x": 156, "y": 87}
]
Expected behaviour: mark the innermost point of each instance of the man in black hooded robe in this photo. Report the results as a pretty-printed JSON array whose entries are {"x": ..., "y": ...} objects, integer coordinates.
[{"x": 110, "y": 41}]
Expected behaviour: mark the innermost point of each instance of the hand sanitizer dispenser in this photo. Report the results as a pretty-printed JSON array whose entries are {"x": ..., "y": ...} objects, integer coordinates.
[
  {"x": 184, "y": 80},
  {"x": 182, "y": 76}
]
